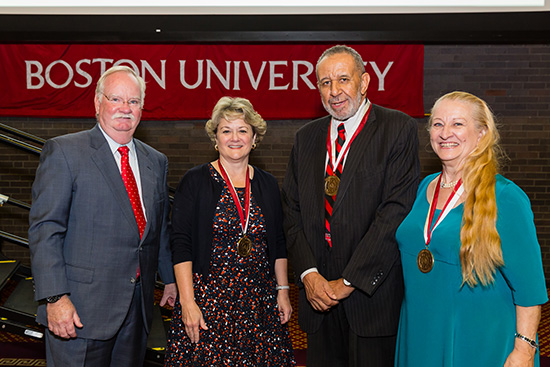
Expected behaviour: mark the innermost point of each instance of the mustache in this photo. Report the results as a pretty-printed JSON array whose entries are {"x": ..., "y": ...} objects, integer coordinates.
[{"x": 123, "y": 116}]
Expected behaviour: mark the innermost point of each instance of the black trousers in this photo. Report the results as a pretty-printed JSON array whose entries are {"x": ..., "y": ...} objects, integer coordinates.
[
  {"x": 335, "y": 344},
  {"x": 126, "y": 349}
]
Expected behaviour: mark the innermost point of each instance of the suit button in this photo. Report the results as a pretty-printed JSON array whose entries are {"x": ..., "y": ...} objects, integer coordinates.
[{"x": 373, "y": 282}]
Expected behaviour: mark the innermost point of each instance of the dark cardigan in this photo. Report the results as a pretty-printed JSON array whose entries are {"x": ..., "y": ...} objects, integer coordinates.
[{"x": 193, "y": 213}]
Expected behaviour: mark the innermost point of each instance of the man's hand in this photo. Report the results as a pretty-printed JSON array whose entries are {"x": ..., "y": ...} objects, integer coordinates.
[
  {"x": 340, "y": 289},
  {"x": 62, "y": 318},
  {"x": 319, "y": 293},
  {"x": 169, "y": 295}
]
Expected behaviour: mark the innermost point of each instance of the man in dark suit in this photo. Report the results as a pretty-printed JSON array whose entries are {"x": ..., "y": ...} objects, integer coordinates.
[
  {"x": 97, "y": 236},
  {"x": 351, "y": 180}
]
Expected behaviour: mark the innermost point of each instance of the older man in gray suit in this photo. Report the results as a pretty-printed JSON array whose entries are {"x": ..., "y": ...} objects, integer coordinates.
[{"x": 98, "y": 232}]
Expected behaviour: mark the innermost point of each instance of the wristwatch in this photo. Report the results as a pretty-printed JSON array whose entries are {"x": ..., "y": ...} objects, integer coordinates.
[
  {"x": 54, "y": 299},
  {"x": 346, "y": 283}
]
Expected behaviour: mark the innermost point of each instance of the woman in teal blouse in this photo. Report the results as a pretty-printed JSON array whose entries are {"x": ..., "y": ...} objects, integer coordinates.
[{"x": 472, "y": 266}]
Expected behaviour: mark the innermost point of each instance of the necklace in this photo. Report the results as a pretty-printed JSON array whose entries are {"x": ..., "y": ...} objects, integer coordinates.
[{"x": 448, "y": 185}]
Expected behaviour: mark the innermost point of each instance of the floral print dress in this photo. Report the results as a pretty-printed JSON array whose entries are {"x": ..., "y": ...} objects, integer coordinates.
[{"x": 238, "y": 300}]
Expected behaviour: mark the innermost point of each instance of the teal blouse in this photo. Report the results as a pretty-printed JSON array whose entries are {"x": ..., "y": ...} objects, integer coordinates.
[{"x": 446, "y": 324}]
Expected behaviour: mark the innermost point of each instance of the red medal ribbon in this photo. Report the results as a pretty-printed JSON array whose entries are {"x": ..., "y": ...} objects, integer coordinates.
[
  {"x": 330, "y": 168},
  {"x": 430, "y": 230},
  {"x": 246, "y": 212}
]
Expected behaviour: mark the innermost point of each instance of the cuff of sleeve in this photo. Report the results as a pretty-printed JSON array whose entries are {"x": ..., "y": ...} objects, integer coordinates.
[{"x": 310, "y": 270}]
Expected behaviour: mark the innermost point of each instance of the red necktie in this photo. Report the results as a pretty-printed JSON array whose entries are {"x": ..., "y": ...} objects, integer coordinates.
[
  {"x": 131, "y": 188},
  {"x": 329, "y": 200}
]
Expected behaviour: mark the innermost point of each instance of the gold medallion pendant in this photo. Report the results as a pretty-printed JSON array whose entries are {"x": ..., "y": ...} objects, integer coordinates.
[
  {"x": 244, "y": 246},
  {"x": 425, "y": 261},
  {"x": 331, "y": 185}
]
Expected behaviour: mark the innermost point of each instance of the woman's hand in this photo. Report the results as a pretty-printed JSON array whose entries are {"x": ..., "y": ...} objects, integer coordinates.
[
  {"x": 521, "y": 358},
  {"x": 523, "y": 355},
  {"x": 527, "y": 322},
  {"x": 192, "y": 319},
  {"x": 283, "y": 302}
]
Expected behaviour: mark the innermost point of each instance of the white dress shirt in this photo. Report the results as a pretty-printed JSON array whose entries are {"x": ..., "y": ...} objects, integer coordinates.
[
  {"x": 132, "y": 159},
  {"x": 351, "y": 125}
]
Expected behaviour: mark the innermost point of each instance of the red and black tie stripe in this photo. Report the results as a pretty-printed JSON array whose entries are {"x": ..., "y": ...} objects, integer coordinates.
[{"x": 329, "y": 200}]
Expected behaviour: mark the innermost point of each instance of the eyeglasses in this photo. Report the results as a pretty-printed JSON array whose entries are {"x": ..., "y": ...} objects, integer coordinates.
[{"x": 119, "y": 102}]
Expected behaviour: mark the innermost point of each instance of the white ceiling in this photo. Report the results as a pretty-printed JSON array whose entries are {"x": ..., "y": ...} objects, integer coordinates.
[{"x": 209, "y": 7}]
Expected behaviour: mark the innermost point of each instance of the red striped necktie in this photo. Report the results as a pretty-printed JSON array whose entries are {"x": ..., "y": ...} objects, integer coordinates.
[
  {"x": 131, "y": 188},
  {"x": 329, "y": 200}
]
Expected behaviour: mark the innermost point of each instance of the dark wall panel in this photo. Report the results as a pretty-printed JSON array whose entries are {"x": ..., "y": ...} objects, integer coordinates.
[{"x": 450, "y": 28}]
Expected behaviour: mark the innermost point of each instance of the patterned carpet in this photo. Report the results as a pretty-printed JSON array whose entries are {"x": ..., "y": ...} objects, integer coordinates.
[
  {"x": 299, "y": 338},
  {"x": 544, "y": 330},
  {"x": 17, "y": 350}
]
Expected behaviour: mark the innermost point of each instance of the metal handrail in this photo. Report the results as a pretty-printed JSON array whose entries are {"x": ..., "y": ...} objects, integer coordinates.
[
  {"x": 20, "y": 144},
  {"x": 22, "y": 134},
  {"x": 14, "y": 239},
  {"x": 6, "y": 199}
]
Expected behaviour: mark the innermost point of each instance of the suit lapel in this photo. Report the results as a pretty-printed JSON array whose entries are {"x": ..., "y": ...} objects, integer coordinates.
[
  {"x": 103, "y": 158},
  {"x": 148, "y": 183},
  {"x": 355, "y": 155},
  {"x": 318, "y": 160}
]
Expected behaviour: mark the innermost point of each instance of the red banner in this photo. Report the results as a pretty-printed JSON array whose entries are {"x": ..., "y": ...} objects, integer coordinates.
[{"x": 185, "y": 81}]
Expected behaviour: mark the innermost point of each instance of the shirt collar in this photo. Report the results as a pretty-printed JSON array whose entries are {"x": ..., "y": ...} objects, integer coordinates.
[
  {"x": 353, "y": 122},
  {"x": 113, "y": 145}
]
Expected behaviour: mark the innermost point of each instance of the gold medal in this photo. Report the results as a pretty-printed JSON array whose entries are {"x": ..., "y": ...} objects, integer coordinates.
[
  {"x": 244, "y": 246},
  {"x": 425, "y": 261},
  {"x": 331, "y": 185}
]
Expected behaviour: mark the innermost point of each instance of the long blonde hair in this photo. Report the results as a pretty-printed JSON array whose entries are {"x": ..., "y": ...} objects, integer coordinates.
[{"x": 480, "y": 250}]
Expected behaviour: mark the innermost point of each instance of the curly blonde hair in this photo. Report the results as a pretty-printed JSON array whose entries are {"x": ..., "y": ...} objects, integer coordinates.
[
  {"x": 229, "y": 108},
  {"x": 480, "y": 250}
]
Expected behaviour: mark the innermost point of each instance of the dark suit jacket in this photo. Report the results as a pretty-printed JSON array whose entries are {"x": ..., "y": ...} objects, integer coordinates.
[
  {"x": 83, "y": 235},
  {"x": 377, "y": 189}
]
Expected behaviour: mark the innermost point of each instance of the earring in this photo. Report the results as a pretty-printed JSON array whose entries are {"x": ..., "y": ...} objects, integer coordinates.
[
  {"x": 253, "y": 146},
  {"x": 216, "y": 146}
]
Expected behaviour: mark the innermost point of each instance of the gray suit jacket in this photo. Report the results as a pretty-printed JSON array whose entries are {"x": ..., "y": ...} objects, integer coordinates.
[
  {"x": 83, "y": 235},
  {"x": 377, "y": 189}
]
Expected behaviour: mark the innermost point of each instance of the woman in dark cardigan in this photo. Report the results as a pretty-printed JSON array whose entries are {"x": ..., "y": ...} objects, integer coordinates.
[{"x": 229, "y": 253}]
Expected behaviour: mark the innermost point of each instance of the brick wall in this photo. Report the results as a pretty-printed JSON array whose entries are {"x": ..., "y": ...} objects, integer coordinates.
[{"x": 513, "y": 79}]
